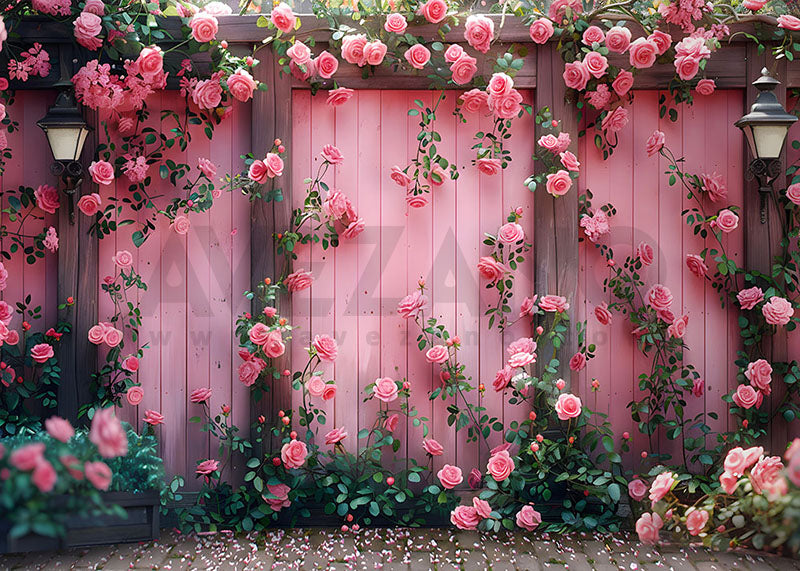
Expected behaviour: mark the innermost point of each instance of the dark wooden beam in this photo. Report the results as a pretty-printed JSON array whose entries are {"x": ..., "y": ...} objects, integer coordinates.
[
  {"x": 555, "y": 241},
  {"x": 78, "y": 278},
  {"x": 272, "y": 119}
]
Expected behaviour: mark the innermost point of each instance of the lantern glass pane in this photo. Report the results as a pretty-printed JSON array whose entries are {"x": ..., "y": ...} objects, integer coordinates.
[
  {"x": 769, "y": 140},
  {"x": 64, "y": 141}
]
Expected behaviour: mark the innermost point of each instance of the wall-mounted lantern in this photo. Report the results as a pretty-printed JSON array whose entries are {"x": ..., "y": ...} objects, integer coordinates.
[
  {"x": 66, "y": 132},
  {"x": 765, "y": 129}
]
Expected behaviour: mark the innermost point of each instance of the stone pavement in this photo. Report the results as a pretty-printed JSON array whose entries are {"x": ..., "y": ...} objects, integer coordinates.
[{"x": 391, "y": 549}]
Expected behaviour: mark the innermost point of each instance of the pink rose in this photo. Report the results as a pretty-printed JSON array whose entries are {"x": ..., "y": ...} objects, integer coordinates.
[
  {"x": 241, "y": 84},
  {"x": 465, "y": 517},
  {"x": 181, "y": 225},
  {"x": 746, "y": 397},
  {"x": 412, "y": 304},
  {"x": 698, "y": 388},
  {"x": 555, "y": 303},
  {"x": 298, "y": 280},
  {"x": 687, "y": 67},
  {"x": 592, "y": 35},
  {"x": 391, "y": 422},
  {"x": 27, "y": 457},
  {"x": 434, "y": 11},
  {"x": 777, "y": 311},
  {"x": 335, "y": 435},
  {"x": 568, "y": 406},
  {"x": 637, "y": 489},
  {"x": 759, "y": 373},
  {"x": 274, "y": 164},
  {"x": 474, "y": 101},
  {"x": 395, "y": 23},
  {"x": 326, "y": 64},
  {"x": 558, "y": 183},
  {"x": 479, "y": 32},
  {"x": 521, "y": 359},
  {"x": 714, "y": 185},
  {"x": 576, "y": 75},
  {"x": 677, "y": 328},
  {"x": 59, "y": 428},
  {"x": 648, "y": 526},
  {"x": 47, "y": 198},
  {"x": 274, "y": 346},
  {"x": 618, "y": 39},
  {"x": 500, "y": 465},
  {"x": 569, "y": 161},
  {"x": 602, "y": 314},
  {"x": 749, "y": 298},
  {"x": 42, "y": 352},
  {"x": 207, "y": 94},
  {"x": 491, "y": 269},
  {"x": 541, "y": 30},
  {"x": 475, "y": 479},
  {"x": 482, "y": 507},
  {"x": 615, "y": 120},
  {"x": 696, "y": 265},
  {"x": 374, "y": 52},
  {"x": 326, "y": 348},
  {"x": 643, "y": 53},
  {"x": 453, "y": 52},
  {"x": 793, "y": 193},
  {"x": 207, "y": 467},
  {"x": 502, "y": 378},
  {"x": 283, "y": 17},
  {"x": 766, "y": 475},
  {"x": 123, "y": 259},
  {"x": 293, "y": 454},
  {"x": 623, "y": 82},
  {"x": 108, "y": 435},
  {"x": 661, "y": 486},
  {"x": 499, "y": 84},
  {"x": 112, "y": 336},
  {"x": 754, "y": 5},
  {"x": 99, "y": 474},
  {"x": 89, "y": 204},
  {"x": 299, "y": 53},
  {"x": 738, "y": 460},
  {"x": 150, "y": 62},
  {"x": 417, "y": 55},
  {"x": 450, "y": 476},
  {"x": 399, "y": 176},
  {"x": 577, "y": 362},
  {"x": 655, "y": 143},
  {"x": 432, "y": 447},
  {"x": 87, "y": 27},
  {"x": 437, "y": 354},
  {"x": 44, "y": 475},
  {"x": 102, "y": 173},
  {"x": 789, "y": 22},
  {"x": 728, "y": 482},
  {"x": 662, "y": 40},
  {"x": 510, "y": 233},
  {"x": 528, "y": 518},
  {"x": 339, "y": 96},
  {"x": 353, "y": 49},
  {"x": 464, "y": 69},
  {"x": 281, "y": 499},
  {"x": 385, "y": 389},
  {"x": 659, "y": 297},
  {"x": 206, "y": 167},
  {"x": 596, "y": 64},
  {"x": 204, "y": 27},
  {"x": 153, "y": 417},
  {"x": 134, "y": 395},
  {"x": 332, "y": 154},
  {"x": 315, "y": 386},
  {"x": 489, "y": 166},
  {"x": 706, "y": 86}
]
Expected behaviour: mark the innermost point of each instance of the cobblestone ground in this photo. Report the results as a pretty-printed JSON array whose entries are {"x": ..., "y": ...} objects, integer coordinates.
[{"x": 406, "y": 549}]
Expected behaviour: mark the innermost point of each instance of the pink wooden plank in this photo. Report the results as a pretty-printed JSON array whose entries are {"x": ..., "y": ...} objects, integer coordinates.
[
  {"x": 301, "y": 157},
  {"x": 174, "y": 293},
  {"x": 442, "y": 238},
  {"x": 393, "y": 240},
  {"x": 371, "y": 176},
  {"x": 323, "y": 261},
  {"x": 345, "y": 178},
  {"x": 469, "y": 238}
]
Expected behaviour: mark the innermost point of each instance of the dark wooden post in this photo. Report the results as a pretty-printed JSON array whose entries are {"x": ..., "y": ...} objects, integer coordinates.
[
  {"x": 77, "y": 278},
  {"x": 555, "y": 240},
  {"x": 272, "y": 119},
  {"x": 762, "y": 240}
]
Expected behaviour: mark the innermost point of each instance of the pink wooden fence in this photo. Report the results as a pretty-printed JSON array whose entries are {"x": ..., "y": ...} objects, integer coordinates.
[{"x": 195, "y": 282}]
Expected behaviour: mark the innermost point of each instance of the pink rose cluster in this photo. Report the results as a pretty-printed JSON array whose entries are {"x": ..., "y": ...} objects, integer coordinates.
[
  {"x": 357, "y": 50},
  {"x": 251, "y": 368},
  {"x": 595, "y": 226},
  {"x": 469, "y": 517},
  {"x": 689, "y": 52},
  {"x": 501, "y": 98},
  {"x": 684, "y": 13},
  {"x": 262, "y": 170},
  {"x": 338, "y": 207},
  {"x": 105, "y": 332},
  {"x": 766, "y": 472}
]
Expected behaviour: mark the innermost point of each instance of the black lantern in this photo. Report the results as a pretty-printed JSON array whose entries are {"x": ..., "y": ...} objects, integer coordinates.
[
  {"x": 765, "y": 129},
  {"x": 66, "y": 132}
]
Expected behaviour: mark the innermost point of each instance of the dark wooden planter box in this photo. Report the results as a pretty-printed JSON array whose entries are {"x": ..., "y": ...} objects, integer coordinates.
[{"x": 141, "y": 524}]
